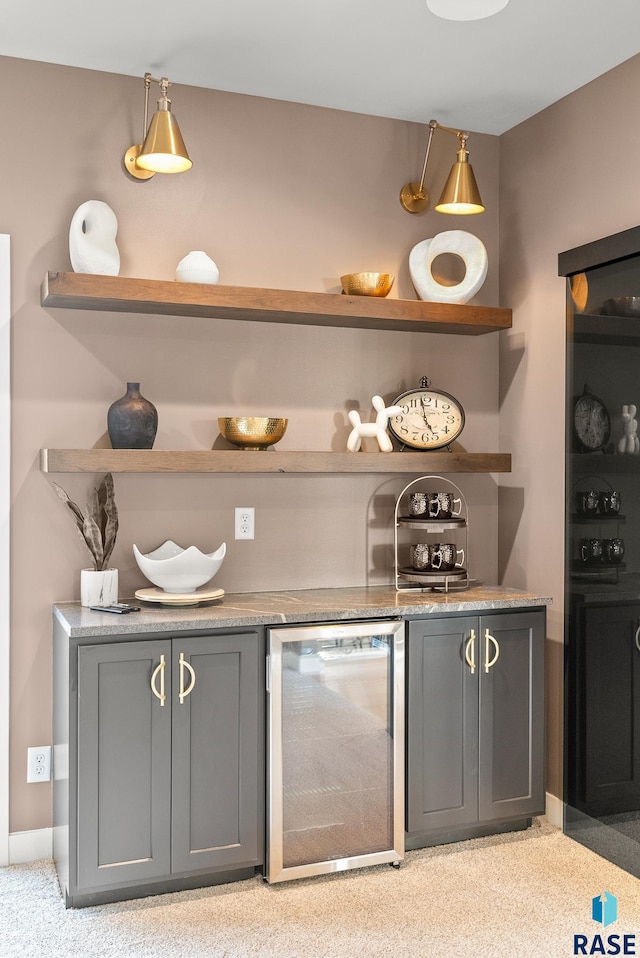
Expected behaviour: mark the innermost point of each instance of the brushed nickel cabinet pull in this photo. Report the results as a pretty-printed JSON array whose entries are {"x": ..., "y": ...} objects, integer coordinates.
[
  {"x": 638, "y": 638},
  {"x": 487, "y": 661},
  {"x": 159, "y": 669},
  {"x": 470, "y": 652},
  {"x": 186, "y": 665}
]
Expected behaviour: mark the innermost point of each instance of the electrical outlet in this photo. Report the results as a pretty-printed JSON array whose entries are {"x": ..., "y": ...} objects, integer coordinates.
[
  {"x": 39, "y": 763},
  {"x": 245, "y": 522}
]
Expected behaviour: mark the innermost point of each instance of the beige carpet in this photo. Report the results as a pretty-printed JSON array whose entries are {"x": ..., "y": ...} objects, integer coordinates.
[{"x": 523, "y": 894}]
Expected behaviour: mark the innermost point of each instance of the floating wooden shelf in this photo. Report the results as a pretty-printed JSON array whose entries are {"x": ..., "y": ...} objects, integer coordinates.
[
  {"x": 267, "y": 461},
  {"x": 121, "y": 294}
]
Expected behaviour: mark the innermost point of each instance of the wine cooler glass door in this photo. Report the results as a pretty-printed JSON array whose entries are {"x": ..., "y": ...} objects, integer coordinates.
[{"x": 336, "y": 746}]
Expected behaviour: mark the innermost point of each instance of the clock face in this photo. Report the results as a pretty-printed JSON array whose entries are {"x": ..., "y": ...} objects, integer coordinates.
[
  {"x": 591, "y": 423},
  {"x": 429, "y": 419}
]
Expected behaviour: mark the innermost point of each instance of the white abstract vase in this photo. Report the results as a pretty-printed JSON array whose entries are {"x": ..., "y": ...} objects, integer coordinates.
[
  {"x": 197, "y": 267},
  {"x": 98, "y": 588},
  {"x": 92, "y": 239}
]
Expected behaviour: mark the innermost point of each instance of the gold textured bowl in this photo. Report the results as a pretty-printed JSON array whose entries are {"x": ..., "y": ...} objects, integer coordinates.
[
  {"x": 367, "y": 284},
  {"x": 252, "y": 432}
]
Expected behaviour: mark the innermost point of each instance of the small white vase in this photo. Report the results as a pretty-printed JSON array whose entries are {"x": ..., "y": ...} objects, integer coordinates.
[
  {"x": 197, "y": 267},
  {"x": 92, "y": 239},
  {"x": 98, "y": 588}
]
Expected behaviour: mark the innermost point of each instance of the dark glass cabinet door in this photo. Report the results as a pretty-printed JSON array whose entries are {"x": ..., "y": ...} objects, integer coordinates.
[
  {"x": 605, "y": 776},
  {"x": 602, "y": 551}
]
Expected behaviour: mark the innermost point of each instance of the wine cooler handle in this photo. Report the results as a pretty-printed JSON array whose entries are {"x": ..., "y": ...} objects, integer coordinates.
[
  {"x": 638, "y": 638},
  {"x": 192, "y": 675},
  {"x": 488, "y": 663},
  {"x": 159, "y": 669},
  {"x": 470, "y": 652}
]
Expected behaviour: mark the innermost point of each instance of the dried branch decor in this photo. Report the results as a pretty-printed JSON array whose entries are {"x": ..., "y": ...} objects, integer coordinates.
[{"x": 99, "y": 527}]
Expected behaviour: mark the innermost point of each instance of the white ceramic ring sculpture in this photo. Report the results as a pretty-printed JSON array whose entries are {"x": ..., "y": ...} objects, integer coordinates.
[{"x": 471, "y": 251}]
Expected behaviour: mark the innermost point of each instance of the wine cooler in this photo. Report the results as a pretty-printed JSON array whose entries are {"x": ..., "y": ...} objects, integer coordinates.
[{"x": 335, "y": 747}]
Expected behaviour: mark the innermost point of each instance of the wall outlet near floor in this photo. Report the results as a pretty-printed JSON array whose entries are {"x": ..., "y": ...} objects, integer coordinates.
[
  {"x": 39, "y": 763},
  {"x": 245, "y": 522}
]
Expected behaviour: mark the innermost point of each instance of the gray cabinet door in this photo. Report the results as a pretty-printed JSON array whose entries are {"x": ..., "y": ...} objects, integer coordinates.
[
  {"x": 217, "y": 747},
  {"x": 511, "y": 765},
  {"x": 124, "y": 765},
  {"x": 475, "y": 720},
  {"x": 442, "y": 724},
  {"x": 165, "y": 789}
]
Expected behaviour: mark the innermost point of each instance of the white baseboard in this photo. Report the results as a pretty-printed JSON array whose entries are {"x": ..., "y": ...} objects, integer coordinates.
[
  {"x": 30, "y": 846},
  {"x": 554, "y": 810}
]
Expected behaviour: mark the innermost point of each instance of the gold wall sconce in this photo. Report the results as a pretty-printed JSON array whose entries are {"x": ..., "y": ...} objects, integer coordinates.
[
  {"x": 162, "y": 149},
  {"x": 460, "y": 194}
]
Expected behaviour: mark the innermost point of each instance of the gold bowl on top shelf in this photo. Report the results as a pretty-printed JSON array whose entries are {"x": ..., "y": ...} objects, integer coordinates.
[
  {"x": 367, "y": 284},
  {"x": 252, "y": 432}
]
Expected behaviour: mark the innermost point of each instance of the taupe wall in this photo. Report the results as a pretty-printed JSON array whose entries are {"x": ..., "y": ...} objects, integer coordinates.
[
  {"x": 281, "y": 196},
  {"x": 567, "y": 176}
]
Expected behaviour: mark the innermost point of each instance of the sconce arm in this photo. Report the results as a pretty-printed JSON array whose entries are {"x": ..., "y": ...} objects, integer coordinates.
[
  {"x": 433, "y": 126},
  {"x": 164, "y": 86},
  {"x": 147, "y": 83}
]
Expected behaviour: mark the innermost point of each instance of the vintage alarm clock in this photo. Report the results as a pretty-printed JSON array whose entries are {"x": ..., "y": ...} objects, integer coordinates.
[
  {"x": 591, "y": 422},
  {"x": 430, "y": 418}
]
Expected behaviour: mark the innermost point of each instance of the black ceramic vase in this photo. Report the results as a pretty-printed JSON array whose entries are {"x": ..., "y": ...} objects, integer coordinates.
[{"x": 132, "y": 421}]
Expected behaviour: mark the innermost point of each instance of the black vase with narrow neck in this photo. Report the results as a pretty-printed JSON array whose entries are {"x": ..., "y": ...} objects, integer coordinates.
[{"x": 132, "y": 421}]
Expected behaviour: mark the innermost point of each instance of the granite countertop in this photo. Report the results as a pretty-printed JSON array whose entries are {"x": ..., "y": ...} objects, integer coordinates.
[{"x": 276, "y": 608}]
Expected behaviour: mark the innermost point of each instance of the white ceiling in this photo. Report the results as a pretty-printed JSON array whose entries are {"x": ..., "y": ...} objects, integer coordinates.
[{"x": 382, "y": 57}]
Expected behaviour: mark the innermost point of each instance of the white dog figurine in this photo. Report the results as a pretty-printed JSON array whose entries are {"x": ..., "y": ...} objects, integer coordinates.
[
  {"x": 629, "y": 441},
  {"x": 372, "y": 430}
]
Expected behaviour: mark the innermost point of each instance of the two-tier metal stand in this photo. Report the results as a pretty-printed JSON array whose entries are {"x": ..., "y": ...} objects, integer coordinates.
[{"x": 432, "y": 530}]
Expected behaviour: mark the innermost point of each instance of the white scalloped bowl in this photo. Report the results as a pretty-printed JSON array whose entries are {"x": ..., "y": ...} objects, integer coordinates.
[{"x": 179, "y": 570}]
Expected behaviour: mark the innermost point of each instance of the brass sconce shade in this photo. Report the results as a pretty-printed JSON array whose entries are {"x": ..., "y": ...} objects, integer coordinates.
[
  {"x": 163, "y": 149},
  {"x": 460, "y": 194}
]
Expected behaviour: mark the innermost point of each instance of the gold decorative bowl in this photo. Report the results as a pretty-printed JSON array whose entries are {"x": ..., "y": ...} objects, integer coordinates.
[
  {"x": 252, "y": 432},
  {"x": 367, "y": 284}
]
